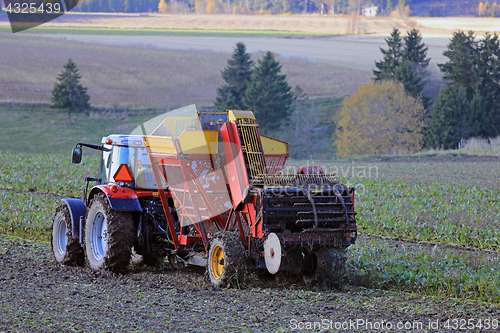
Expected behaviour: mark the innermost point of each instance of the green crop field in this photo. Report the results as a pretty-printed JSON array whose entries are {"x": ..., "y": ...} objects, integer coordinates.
[
  {"x": 448, "y": 201},
  {"x": 462, "y": 217}
]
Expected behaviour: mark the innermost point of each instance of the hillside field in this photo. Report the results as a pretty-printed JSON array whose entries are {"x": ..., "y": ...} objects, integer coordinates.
[
  {"x": 141, "y": 61},
  {"x": 310, "y": 23},
  {"x": 135, "y": 73}
]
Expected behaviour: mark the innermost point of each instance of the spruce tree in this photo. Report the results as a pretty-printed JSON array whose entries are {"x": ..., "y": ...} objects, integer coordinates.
[
  {"x": 412, "y": 82},
  {"x": 393, "y": 56},
  {"x": 453, "y": 118},
  {"x": 474, "y": 65},
  {"x": 405, "y": 61},
  {"x": 488, "y": 84},
  {"x": 462, "y": 55},
  {"x": 268, "y": 94},
  {"x": 68, "y": 93},
  {"x": 437, "y": 133},
  {"x": 236, "y": 75},
  {"x": 416, "y": 51}
]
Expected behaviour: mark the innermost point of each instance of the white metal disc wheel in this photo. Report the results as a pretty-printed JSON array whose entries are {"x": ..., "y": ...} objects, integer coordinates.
[
  {"x": 272, "y": 253},
  {"x": 109, "y": 236},
  {"x": 67, "y": 251},
  {"x": 59, "y": 239},
  {"x": 99, "y": 235}
]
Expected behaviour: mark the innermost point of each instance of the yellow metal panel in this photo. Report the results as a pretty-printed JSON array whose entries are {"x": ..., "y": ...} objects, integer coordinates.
[
  {"x": 159, "y": 139},
  {"x": 199, "y": 142},
  {"x": 233, "y": 115},
  {"x": 274, "y": 147},
  {"x": 159, "y": 144},
  {"x": 174, "y": 126}
]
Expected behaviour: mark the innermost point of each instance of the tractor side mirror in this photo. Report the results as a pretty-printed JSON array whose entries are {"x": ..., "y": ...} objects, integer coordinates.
[{"x": 76, "y": 157}]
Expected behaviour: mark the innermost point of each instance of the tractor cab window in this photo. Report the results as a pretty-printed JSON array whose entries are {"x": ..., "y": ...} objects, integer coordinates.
[
  {"x": 121, "y": 155},
  {"x": 143, "y": 173},
  {"x": 105, "y": 164},
  {"x": 138, "y": 163}
]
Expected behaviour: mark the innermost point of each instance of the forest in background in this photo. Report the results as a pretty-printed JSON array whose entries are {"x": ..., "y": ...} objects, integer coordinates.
[{"x": 421, "y": 8}]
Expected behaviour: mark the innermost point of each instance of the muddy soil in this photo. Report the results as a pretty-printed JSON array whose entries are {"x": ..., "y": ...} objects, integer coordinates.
[{"x": 37, "y": 295}]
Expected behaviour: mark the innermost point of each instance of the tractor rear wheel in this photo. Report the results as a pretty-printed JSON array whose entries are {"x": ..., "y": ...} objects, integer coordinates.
[
  {"x": 66, "y": 249},
  {"x": 226, "y": 259},
  {"x": 109, "y": 236}
]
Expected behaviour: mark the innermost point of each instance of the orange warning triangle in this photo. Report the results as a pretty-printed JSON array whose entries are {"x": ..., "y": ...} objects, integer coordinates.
[{"x": 123, "y": 174}]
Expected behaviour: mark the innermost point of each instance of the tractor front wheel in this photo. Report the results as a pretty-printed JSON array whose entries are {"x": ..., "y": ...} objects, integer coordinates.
[
  {"x": 226, "y": 259},
  {"x": 109, "y": 236},
  {"x": 66, "y": 249}
]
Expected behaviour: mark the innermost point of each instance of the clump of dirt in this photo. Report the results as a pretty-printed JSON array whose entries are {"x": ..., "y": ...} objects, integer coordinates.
[{"x": 37, "y": 295}]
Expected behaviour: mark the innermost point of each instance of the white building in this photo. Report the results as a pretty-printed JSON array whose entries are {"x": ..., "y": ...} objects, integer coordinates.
[{"x": 369, "y": 10}]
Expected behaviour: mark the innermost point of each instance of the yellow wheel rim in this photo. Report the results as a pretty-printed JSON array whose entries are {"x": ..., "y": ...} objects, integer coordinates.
[{"x": 217, "y": 261}]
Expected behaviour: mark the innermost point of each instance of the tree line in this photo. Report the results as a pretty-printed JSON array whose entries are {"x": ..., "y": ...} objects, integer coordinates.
[
  {"x": 469, "y": 106},
  {"x": 239, "y": 6},
  {"x": 216, "y": 6},
  {"x": 391, "y": 113},
  {"x": 120, "y": 6},
  {"x": 384, "y": 7}
]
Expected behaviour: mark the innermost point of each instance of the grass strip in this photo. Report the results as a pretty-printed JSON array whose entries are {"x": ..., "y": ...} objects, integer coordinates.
[{"x": 170, "y": 32}]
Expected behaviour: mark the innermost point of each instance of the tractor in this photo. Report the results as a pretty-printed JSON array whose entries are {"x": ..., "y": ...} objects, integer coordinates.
[{"x": 206, "y": 189}]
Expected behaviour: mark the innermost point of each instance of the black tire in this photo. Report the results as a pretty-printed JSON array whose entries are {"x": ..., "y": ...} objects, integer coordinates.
[
  {"x": 66, "y": 249},
  {"x": 109, "y": 236},
  {"x": 226, "y": 260},
  {"x": 330, "y": 270}
]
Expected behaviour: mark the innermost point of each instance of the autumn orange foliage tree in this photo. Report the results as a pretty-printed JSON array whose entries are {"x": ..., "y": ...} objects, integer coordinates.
[
  {"x": 380, "y": 118},
  {"x": 481, "y": 9},
  {"x": 162, "y": 7}
]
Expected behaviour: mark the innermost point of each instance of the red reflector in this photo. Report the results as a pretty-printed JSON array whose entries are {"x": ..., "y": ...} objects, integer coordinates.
[
  {"x": 109, "y": 141},
  {"x": 123, "y": 174}
]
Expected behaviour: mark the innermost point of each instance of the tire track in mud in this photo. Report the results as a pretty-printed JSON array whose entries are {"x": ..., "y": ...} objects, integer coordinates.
[{"x": 37, "y": 295}]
